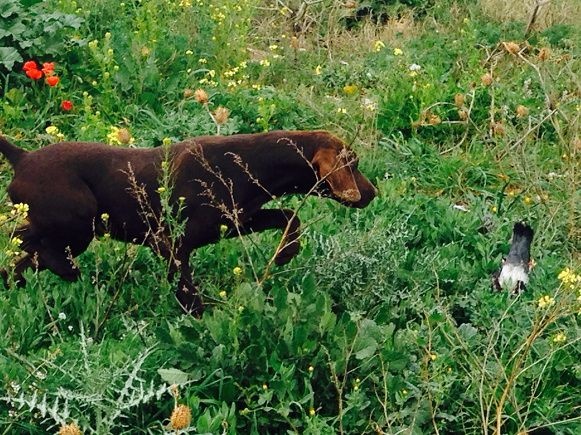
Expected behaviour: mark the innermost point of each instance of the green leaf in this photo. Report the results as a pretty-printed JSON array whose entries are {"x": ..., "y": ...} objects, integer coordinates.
[
  {"x": 173, "y": 376},
  {"x": 9, "y": 56}
]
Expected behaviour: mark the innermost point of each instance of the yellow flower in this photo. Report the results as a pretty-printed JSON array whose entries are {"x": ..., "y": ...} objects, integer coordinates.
[
  {"x": 560, "y": 337},
  {"x": 113, "y": 136},
  {"x": 433, "y": 357},
  {"x": 568, "y": 278},
  {"x": 397, "y": 51},
  {"x": 237, "y": 271},
  {"x": 181, "y": 198},
  {"x": 166, "y": 141},
  {"x": 312, "y": 412},
  {"x": 161, "y": 189},
  {"x": 53, "y": 130},
  {"x": 342, "y": 110},
  {"x": 318, "y": 70},
  {"x": 105, "y": 217},
  {"x": 20, "y": 209},
  {"x": 189, "y": 52},
  {"x": 545, "y": 301},
  {"x": 311, "y": 369},
  {"x": 223, "y": 229},
  {"x": 181, "y": 417},
  {"x": 527, "y": 200},
  {"x": 223, "y": 294},
  {"x": 264, "y": 387},
  {"x": 378, "y": 45},
  {"x": 265, "y": 62},
  {"x": 350, "y": 89},
  {"x": 16, "y": 241}
]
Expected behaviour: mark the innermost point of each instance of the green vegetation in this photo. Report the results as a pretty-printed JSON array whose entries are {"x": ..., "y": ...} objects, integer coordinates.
[{"x": 465, "y": 118}]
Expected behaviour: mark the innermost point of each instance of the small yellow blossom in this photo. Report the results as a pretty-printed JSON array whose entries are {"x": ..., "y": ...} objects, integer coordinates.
[
  {"x": 15, "y": 241},
  {"x": 350, "y": 89},
  {"x": 397, "y": 51},
  {"x": 569, "y": 278},
  {"x": 53, "y": 130},
  {"x": 527, "y": 200},
  {"x": 181, "y": 198},
  {"x": 166, "y": 141},
  {"x": 341, "y": 110},
  {"x": 545, "y": 301},
  {"x": 378, "y": 45},
  {"x": 113, "y": 136},
  {"x": 433, "y": 357},
  {"x": 223, "y": 294},
  {"x": 20, "y": 209},
  {"x": 311, "y": 369},
  {"x": 237, "y": 271},
  {"x": 189, "y": 52},
  {"x": 312, "y": 412},
  {"x": 264, "y": 387},
  {"x": 105, "y": 217},
  {"x": 318, "y": 70},
  {"x": 223, "y": 229},
  {"x": 264, "y": 62},
  {"x": 160, "y": 189},
  {"x": 560, "y": 337}
]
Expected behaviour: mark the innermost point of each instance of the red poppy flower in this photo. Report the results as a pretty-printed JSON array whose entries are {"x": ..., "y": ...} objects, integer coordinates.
[
  {"x": 66, "y": 105},
  {"x": 52, "y": 80},
  {"x": 48, "y": 68},
  {"x": 29, "y": 65},
  {"x": 34, "y": 74}
]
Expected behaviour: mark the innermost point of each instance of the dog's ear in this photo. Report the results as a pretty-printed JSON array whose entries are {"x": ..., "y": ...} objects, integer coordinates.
[{"x": 334, "y": 169}]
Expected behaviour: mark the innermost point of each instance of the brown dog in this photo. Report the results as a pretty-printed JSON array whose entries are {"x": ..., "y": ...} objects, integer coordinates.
[{"x": 215, "y": 181}]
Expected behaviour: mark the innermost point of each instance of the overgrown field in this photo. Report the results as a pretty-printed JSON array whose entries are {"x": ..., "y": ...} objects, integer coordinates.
[{"x": 466, "y": 116}]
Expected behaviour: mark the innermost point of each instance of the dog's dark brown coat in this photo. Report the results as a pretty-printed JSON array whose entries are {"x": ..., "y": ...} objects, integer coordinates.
[{"x": 217, "y": 180}]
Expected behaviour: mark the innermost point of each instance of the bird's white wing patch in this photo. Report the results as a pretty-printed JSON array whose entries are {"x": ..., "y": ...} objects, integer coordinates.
[{"x": 511, "y": 274}]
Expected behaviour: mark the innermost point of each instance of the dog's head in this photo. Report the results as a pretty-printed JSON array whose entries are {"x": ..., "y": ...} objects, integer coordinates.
[{"x": 337, "y": 168}]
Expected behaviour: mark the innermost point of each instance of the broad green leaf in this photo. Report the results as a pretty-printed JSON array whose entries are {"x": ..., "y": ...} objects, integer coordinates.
[{"x": 173, "y": 376}]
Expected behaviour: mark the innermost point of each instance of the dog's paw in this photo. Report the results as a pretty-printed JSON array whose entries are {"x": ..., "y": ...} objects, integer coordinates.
[
  {"x": 287, "y": 253},
  {"x": 190, "y": 301}
]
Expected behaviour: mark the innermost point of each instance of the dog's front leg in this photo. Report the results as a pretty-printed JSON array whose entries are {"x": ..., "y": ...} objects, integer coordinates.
[
  {"x": 267, "y": 219},
  {"x": 186, "y": 293}
]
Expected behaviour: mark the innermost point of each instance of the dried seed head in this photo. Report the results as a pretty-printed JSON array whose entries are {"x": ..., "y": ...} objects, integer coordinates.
[
  {"x": 201, "y": 96},
  {"x": 459, "y": 100},
  {"x": 486, "y": 79},
  {"x": 188, "y": 93},
  {"x": 544, "y": 54},
  {"x": 463, "y": 114},
  {"x": 498, "y": 129},
  {"x": 124, "y": 136},
  {"x": 174, "y": 390},
  {"x": 181, "y": 417},
  {"x": 350, "y": 4},
  {"x": 521, "y": 111},
  {"x": 70, "y": 429},
  {"x": 512, "y": 47},
  {"x": 434, "y": 120},
  {"x": 294, "y": 43},
  {"x": 221, "y": 115}
]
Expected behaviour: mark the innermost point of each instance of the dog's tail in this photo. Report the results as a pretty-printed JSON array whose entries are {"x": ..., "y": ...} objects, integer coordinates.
[{"x": 12, "y": 153}]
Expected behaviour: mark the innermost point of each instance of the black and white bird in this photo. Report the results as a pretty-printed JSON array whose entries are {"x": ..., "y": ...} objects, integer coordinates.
[{"x": 514, "y": 272}]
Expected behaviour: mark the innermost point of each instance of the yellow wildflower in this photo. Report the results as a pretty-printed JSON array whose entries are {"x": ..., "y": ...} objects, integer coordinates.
[
  {"x": 237, "y": 271},
  {"x": 318, "y": 70},
  {"x": 560, "y": 337},
  {"x": 378, "y": 45},
  {"x": 397, "y": 51},
  {"x": 545, "y": 301}
]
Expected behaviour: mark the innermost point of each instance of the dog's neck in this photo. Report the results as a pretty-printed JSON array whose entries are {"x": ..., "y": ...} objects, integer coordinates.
[{"x": 286, "y": 171}]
